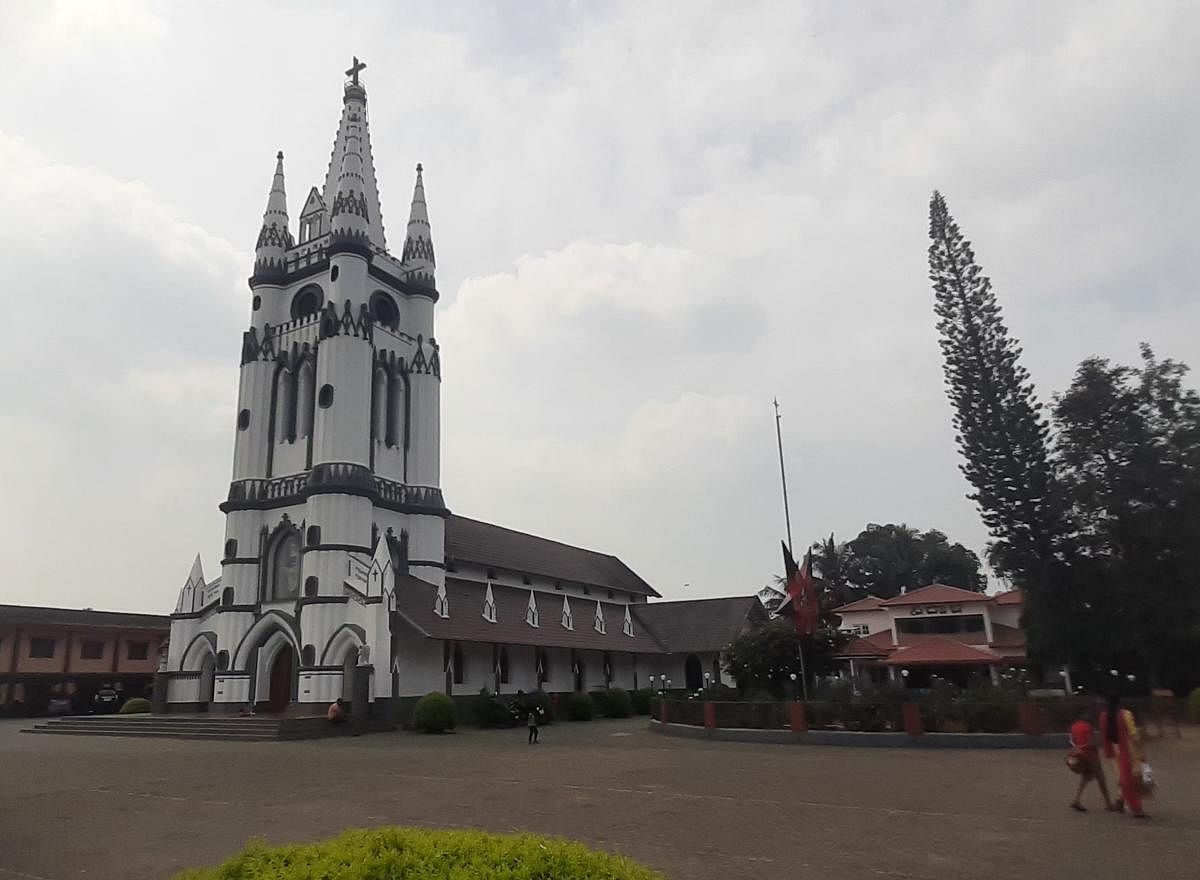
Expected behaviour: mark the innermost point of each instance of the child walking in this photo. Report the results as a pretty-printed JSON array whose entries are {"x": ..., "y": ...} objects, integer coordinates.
[{"x": 532, "y": 720}]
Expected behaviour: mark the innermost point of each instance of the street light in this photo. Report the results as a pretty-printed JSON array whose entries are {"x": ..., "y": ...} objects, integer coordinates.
[{"x": 795, "y": 689}]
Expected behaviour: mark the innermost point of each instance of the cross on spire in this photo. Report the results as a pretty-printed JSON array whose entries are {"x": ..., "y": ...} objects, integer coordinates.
[{"x": 354, "y": 69}]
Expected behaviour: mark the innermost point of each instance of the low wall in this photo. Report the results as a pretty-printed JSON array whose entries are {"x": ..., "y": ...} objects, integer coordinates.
[{"x": 863, "y": 740}]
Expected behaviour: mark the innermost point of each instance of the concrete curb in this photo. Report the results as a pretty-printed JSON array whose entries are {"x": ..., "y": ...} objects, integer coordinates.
[{"x": 859, "y": 739}]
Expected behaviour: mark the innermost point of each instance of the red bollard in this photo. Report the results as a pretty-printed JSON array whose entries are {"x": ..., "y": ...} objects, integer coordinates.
[
  {"x": 910, "y": 713},
  {"x": 710, "y": 715},
  {"x": 798, "y": 717}
]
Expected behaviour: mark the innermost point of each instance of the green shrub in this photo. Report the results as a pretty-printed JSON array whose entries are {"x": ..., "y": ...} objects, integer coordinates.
[
  {"x": 618, "y": 703},
  {"x": 641, "y": 701},
  {"x": 580, "y": 707},
  {"x": 538, "y": 700},
  {"x": 1194, "y": 706},
  {"x": 721, "y": 693},
  {"x": 135, "y": 706},
  {"x": 424, "y": 855},
  {"x": 434, "y": 713},
  {"x": 491, "y": 711}
]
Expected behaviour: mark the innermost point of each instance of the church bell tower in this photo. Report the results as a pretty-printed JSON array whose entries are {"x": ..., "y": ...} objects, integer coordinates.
[{"x": 336, "y": 447}]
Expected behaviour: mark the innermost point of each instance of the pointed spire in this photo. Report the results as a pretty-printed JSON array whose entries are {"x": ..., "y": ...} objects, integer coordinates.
[
  {"x": 418, "y": 244},
  {"x": 191, "y": 596},
  {"x": 350, "y": 188},
  {"x": 274, "y": 239}
]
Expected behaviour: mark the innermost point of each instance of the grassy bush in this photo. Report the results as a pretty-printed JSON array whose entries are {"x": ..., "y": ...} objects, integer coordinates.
[
  {"x": 580, "y": 707},
  {"x": 721, "y": 693},
  {"x": 434, "y": 713},
  {"x": 420, "y": 854},
  {"x": 1193, "y": 706},
  {"x": 135, "y": 706},
  {"x": 491, "y": 711},
  {"x": 618, "y": 703},
  {"x": 539, "y": 700},
  {"x": 641, "y": 701}
]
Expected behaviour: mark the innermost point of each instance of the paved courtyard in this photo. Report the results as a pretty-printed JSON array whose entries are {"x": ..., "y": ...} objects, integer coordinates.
[{"x": 127, "y": 808}]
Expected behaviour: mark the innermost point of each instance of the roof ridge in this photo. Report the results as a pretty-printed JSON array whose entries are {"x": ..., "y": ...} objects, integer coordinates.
[{"x": 537, "y": 537}]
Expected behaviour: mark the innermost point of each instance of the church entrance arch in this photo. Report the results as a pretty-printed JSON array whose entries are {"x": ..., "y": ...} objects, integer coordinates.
[
  {"x": 693, "y": 673},
  {"x": 208, "y": 668},
  {"x": 280, "y": 693}
]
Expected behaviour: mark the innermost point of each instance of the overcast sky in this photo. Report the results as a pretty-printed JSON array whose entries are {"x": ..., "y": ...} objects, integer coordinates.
[{"x": 650, "y": 219}]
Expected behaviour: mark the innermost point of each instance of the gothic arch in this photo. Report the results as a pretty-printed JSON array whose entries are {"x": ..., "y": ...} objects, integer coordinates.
[
  {"x": 306, "y": 391},
  {"x": 283, "y": 424},
  {"x": 272, "y": 562},
  {"x": 346, "y": 635},
  {"x": 204, "y": 644},
  {"x": 264, "y": 628}
]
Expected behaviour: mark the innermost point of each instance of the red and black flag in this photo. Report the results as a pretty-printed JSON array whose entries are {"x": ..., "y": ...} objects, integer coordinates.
[{"x": 802, "y": 603}]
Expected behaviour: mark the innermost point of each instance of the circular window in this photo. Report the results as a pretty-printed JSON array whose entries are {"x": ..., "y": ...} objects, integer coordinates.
[
  {"x": 243, "y": 420},
  {"x": 256, "y": 303},
  {"x": 307, "y": 302},
  {"x": 222, "y": 660},
  {"x": 333, "y": 273},
  {"x": 383, "y": 307},
  {"x": 325, "y": 396}
]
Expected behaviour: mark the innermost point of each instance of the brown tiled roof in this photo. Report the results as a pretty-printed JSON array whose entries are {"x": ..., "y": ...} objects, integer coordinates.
[
  {"x": 875, "y": 645},
  {"x": 34, "y": 615},
  {"x": 700, "y": 624},
  {"x": 415, "y": 600},
  {"x": 941, "y": 650},
  {"x": 935, "y": 594},
  {"x": 469, "y": 540},
  {"x": 1011, "y": 597},
  {"x": 1007, "y": 636}
]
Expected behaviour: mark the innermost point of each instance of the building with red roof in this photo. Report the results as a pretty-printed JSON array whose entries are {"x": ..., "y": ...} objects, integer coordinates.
[{"x": 938, "y": 630}]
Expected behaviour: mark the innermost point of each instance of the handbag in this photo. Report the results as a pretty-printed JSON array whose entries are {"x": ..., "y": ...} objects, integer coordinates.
[{"x": 1075, "y": 761}]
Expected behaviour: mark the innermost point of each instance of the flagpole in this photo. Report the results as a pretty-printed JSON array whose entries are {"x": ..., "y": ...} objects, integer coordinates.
[
  {"x": 787, "y": 520},
  {"x": 787, "y": 517}
]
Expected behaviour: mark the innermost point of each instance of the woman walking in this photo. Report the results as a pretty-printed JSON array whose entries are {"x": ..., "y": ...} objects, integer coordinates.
[{"x": 1123, "y": 746}]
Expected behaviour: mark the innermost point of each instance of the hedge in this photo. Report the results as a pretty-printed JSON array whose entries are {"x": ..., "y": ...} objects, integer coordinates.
[
  {"x": 434, "y": 713},
  {"x": 419, "y": 854},
  {"x": 641, "y": 701},
  {"x": 135, "y": 706},
  {"x": 618, "y": 703},
  {"x": 580, "y": 707}
]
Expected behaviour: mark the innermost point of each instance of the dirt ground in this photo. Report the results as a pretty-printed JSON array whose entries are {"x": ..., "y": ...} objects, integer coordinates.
[{"x": 140, "y": 808}]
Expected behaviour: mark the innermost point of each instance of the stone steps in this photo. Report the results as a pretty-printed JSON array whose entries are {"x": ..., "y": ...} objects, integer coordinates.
[{"x": 256, "y": 729}]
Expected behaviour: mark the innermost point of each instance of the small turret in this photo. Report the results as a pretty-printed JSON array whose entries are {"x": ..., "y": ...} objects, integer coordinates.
[
  {"x": 274, "y": 239},
  {"x": 418, "y": 256}
]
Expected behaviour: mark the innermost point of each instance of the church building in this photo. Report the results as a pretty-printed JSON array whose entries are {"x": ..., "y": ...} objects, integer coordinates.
[{"x": 344, "y": 574}]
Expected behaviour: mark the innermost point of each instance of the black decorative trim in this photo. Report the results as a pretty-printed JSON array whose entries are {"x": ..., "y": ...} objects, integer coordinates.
[
  {"x": 336, "y": 478},
  {"x": 347, "y": 242},
  {"x": 403, "y": 285},
  {"x": 240, "y": 560},
  {"x": 249, "y": 609},
  {"x": 325, "y": 600},
  {"x": 343, "y": 203},
  {"x": 233, "y": 673},
  {"x": 304, "y": 669},
  {"x": 428, "y": 563},
  {"x": 347, "y": 324},
  {"x": 350, "y": 548}
]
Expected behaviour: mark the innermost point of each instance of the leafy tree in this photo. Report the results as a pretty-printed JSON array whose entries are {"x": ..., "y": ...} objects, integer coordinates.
[
  {"x": 1128, "y": 455},
  {"x": 766, "y": 657},
  {"x": 886, "y": 560},
  {"x": 1001, "y": 432}
]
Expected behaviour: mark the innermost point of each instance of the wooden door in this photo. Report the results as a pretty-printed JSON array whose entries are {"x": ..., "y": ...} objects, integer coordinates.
[{"x": 281, "y": 680}]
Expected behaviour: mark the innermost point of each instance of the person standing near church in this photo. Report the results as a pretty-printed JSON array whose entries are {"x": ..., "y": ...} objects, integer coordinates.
[{"x": 531, "y": 720}]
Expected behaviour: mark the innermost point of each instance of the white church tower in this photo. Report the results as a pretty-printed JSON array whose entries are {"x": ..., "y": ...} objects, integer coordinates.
[{"x": 336, "y": 451}]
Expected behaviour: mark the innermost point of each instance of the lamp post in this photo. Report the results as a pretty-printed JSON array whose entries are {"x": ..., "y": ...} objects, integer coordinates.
[
  {"x": 707, "y": 683},
  {"x": 795, "y": 689}
]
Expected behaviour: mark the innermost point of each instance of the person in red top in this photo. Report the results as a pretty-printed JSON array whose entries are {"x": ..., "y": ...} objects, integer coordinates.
[{"x": 1084, "y": 759}]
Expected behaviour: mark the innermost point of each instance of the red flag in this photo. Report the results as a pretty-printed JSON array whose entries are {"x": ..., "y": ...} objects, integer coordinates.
[{"x": 802, "y": 603}]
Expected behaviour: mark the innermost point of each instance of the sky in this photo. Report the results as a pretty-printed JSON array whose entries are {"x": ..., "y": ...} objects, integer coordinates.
[{"x": 651, "y": 219}]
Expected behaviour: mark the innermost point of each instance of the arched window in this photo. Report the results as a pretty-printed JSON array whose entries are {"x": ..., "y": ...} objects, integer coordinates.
[
  {"x": 379, "y": 404},
  {"x": 502, "y": 665},
  {"x": 285, "y": 406},
  {"x": 459, "y": 671},
  {"x": 307, "y": 302},
  {"x": 285, "y": 567},
  {"x": 383, "y": 307},
  {"x": 693, "y": 673},
  {"x": 227, "y": 597},
  {"x": 304, "y": 399},
  {"x": 396, "y": 410}
]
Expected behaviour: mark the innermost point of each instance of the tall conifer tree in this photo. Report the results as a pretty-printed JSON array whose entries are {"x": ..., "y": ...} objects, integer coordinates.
[{"x": 1000, "y": 428}]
